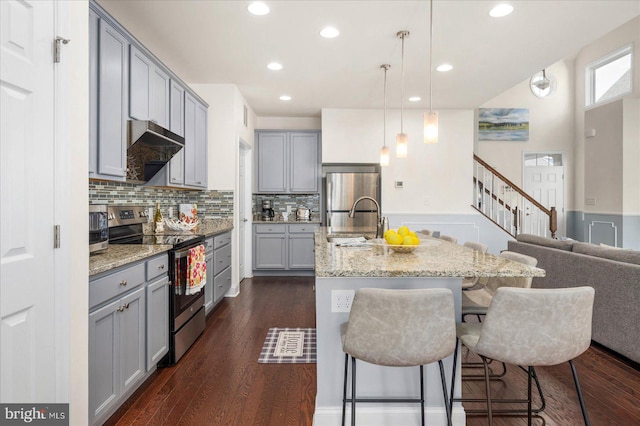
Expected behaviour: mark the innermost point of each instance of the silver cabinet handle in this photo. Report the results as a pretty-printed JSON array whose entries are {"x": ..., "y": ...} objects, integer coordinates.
[
  {"x": 123, "y": 282},
  {"x": 161, "y": 267},
  {"x": 121, "y": 308}
]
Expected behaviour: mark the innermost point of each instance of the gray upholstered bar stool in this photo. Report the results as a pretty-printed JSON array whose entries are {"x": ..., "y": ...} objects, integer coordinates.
[
  {"x": 449, "y": 238},
  {"x": 398, "y": 328},
  {"x": 428, "y": 232},
  {"x": 530, "y": 328},
  {"x": 469, "y": 282}
]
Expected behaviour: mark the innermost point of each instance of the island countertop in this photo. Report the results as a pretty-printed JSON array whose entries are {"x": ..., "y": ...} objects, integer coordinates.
[{"x": 432, "y": 258}]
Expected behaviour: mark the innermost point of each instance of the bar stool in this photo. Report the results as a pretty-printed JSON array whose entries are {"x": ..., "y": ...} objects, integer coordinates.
[
  {"x": 398, "y": 328},
  {"x": 469, "y": 282},
  {"x": 449, "y": 238},
  {"x": 427, "y": 232},
  {"x": 532, "y": 327}
]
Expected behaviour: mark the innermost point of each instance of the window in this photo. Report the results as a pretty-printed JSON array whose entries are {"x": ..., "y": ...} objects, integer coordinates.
[
  {"x": 549, "y": 160},
  {"x": 609, "y": 78}
]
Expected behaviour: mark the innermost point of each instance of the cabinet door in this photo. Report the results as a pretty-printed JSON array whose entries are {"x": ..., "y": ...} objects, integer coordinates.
[
  {"x": 272, "y": 162},
  {"x": 270, "y": 251},
  {"x": 139, "y": 85},
  {"x": 131, "y": 313},
  {"x": 112, "y": 102},
  {"x": 303, "y": 175},
  {"x": 94, "y": 28},
  {"x": 200, "y": 147},
  {"x": 208, "y": 287},
  {"x": 195, "y": 149},
  {"x": 301, "y": 251},
  {"x": 157, "y": 321},
  {"x": 103, "y": 359},
  {"x": 159, "y": 101},
  {"x": 221, "y": 284},
  {"x": 176, "y": 110}
]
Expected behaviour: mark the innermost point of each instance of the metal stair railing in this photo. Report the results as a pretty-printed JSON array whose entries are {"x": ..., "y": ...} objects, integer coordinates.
[{"x": 508, "y": 206}]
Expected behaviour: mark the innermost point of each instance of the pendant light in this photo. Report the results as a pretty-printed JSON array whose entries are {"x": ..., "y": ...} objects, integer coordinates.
[
  {"x": 431, "y": 116},
  {"x": 384, "y": 152},
  {"x": 402, "y": 139}
]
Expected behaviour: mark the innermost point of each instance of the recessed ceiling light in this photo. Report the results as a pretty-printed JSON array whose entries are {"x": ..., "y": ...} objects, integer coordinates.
[
  {"x": 444, "y": 67},
  {"x": 274, "y": 66},
  {"x": 258, "y": 8},
  {"x": 414, "y": 99},
  {"x": 329, "y": 32},
  {"x": 285, "y": 98},
  {"x": 501, "y": 10}
]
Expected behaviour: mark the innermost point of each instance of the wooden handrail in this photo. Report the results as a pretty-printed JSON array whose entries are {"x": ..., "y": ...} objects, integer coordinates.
[
  {"x": 551, "y": 212},
  {"x": 513, "y": 186}
]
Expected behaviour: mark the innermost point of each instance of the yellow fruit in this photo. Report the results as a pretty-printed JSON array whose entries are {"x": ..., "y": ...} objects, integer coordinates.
[
  {"x": 413, "y": 234},
  {"x": 388, "y": 231},
  {"x": 407, "y": 240},
  {"x": 415, "y": 241},
  {"x": 403, "y": 230},
  {"x": 394, "y": 239}
]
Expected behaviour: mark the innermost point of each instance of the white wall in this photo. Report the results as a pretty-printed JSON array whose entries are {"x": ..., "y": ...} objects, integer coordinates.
[
  {"x": 288, "y": 123},
  {"x": 436, "y": 178},
  {"x": 551, "y": 127},
  {"x": 627, "y": 33},
  {"x": 631, "y": 156}
]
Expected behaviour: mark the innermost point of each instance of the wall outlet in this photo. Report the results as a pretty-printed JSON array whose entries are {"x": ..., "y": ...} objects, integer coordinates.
[{"x": 341, "y": 300}]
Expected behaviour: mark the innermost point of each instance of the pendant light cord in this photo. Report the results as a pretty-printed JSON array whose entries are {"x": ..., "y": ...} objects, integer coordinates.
[
  {"x": 430, "y": 54},
  {"x": 402, "y": 88},
  {"x": 384, "y": 125}
]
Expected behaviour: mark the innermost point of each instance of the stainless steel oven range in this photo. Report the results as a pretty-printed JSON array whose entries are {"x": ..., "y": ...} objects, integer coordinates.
[{"x": 186, "y": 312}]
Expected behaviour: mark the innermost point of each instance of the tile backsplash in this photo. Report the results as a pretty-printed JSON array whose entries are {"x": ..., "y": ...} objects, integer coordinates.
[
  {"x": 211, "y": 204},
  {"x": 281, "y": 201}
]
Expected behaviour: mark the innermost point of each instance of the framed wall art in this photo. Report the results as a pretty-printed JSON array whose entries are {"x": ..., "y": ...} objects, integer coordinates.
[{"x": 503, "y": 124}]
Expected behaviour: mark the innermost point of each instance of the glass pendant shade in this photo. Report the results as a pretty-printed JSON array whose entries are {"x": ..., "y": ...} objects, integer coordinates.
[
  {"x": 431, "y": 127},
  {"x": 384, "y": 156},
  {"x": 402, "y": 140}
]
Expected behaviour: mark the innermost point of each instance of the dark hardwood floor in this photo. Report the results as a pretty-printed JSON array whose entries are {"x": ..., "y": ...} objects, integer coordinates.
[{"x": 219, "y": 381}]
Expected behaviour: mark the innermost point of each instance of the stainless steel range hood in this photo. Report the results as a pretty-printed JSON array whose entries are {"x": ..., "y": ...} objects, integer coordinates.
[{"x": 149, "y": 148}]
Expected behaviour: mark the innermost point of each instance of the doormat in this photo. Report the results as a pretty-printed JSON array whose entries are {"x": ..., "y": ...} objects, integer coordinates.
[{"x": 289, "y": 346}]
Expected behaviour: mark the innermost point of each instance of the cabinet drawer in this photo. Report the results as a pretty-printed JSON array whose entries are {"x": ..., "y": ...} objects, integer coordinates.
[
  {"x": 221, "y": 240},
  {"x": 221, "y": 259},
  {"x": 157, "y": 267},
  {"x": 221, "y": 284},
  {"x": 271, "y": 229},
  {"x": 112, "y": 285},
  {"x": 208, "y": 245},
  {"x": 302, "y": 228}
]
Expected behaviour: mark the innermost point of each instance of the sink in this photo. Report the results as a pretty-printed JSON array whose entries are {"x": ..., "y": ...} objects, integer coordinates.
[{"x": 340, "y": 236}]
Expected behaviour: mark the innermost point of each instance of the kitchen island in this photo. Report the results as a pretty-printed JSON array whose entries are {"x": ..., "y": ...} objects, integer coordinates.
[{"x": 434, "y": 264}]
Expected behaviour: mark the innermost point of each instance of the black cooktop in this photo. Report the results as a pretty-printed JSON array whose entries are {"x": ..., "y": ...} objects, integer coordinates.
[{"x": 176, "y": 240}]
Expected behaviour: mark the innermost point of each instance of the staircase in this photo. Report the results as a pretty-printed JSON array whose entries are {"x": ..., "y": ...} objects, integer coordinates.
[{"x": 508, "y": 206}]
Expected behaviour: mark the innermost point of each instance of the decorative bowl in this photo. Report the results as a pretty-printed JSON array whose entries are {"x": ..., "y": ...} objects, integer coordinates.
[
  {"x": 402, "y": 248},
  {"x": 178, "y": 225}
]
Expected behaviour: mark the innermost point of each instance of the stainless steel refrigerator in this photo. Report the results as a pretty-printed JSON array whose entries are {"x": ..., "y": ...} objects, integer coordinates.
[{"x": 341, "y": 191}]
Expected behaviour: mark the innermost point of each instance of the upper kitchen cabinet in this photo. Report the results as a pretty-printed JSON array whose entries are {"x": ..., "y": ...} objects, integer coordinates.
[
  {"x": 287, "y": 162},
  {"x": 148, "y": 89},
  {"x": 109, "y": 100},
  {"x": 195, "y": 142}
]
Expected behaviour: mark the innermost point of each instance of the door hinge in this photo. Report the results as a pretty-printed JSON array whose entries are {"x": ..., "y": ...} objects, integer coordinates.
[
  {"x": 56, "y": 47},
  {"x": 56, "y": 236}
]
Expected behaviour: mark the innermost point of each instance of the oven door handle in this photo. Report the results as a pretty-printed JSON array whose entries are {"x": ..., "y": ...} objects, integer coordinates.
[{"x": 182, "y": 253}]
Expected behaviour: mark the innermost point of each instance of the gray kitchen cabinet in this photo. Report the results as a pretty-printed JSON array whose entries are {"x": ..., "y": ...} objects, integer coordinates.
[
  {"x": 195, "y": 144},
  {"x": 148, "y": 89},
  {"x": 208, "y": 287},
  {"x": 109, "y": 98},
  {"x": 284, "y": 247},
  {"x": 128, "y": 331},
  {"x": 221, "y": 265},
  {"x": 116, "y": 351},
  {"x": 157, "y": 320},
  {"x": 176, "y": 125},
  {"x": 288, "y": 162}
]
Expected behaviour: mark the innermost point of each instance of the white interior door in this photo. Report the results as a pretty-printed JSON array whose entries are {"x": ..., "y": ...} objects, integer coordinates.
[
  {"x": 27, "y": 332},
  {"x": 241, "y": 212},
  {"x": 546, "y": 185}
]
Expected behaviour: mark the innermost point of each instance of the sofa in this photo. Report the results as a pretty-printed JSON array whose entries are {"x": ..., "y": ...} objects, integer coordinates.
[{"x": 613, "y": 273}]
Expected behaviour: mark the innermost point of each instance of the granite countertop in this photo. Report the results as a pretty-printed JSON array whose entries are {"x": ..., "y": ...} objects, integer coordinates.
[
  {"x": 433, "y": 258},
  {"x": 119, "y": 255}
]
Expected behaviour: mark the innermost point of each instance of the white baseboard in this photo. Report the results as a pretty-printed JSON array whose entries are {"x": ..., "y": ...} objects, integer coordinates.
[{"x": 388, "y": 415}]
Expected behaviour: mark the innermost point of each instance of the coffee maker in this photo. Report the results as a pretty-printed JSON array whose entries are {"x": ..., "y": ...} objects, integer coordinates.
[{"x": 267, "y": 210}]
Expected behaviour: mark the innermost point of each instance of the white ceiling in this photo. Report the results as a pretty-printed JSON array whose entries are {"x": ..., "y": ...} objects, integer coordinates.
[{"x": 220, "y": 42}]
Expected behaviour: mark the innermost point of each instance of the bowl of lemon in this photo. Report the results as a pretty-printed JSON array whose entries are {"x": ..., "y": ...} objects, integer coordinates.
[{"x": 402, "y": 240}]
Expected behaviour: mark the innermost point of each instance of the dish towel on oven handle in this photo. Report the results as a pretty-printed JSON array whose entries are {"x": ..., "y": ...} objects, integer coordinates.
[{"x": 196, "y": 270}]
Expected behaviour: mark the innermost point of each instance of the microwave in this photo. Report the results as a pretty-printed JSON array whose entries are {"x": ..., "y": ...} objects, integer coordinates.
[{"x": 98, "y": 228}]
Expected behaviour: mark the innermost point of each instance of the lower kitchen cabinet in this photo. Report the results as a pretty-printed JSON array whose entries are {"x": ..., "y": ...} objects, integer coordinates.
[
  {"x": 218, "y": 260},
  {"x": 283, "y": 247},
  {"x": 128, "y": 331}
]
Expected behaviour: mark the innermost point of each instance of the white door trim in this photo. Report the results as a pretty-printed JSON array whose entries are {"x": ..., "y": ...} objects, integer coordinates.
[{"x": 562, "y": 225}]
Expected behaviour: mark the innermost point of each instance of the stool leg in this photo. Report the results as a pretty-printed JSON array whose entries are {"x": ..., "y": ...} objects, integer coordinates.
[
  {"x": 453, "y": 375},
  {"x": 530, "y": 372},
  {"x": 444, "y": 392},
  {"x": 422, "y": 394},
  {"x": 344, "y": 393},
  {"x": 583, "y": 407},
  {"x": 488, "y": 389},
  {"x": 353, "y": 391}
]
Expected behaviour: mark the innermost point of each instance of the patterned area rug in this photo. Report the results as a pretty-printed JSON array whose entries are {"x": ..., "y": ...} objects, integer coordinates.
[{"x": 289, "y": 346}]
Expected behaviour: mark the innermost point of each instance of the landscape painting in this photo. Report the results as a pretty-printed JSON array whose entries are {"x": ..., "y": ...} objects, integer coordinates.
[{"x": 503, "y": 124}]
